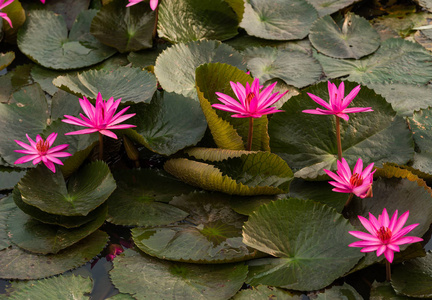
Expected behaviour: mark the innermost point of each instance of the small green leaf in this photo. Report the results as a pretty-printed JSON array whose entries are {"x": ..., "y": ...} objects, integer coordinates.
[
  {"x": 6, "y": 59},
  {"x": 384, "y": 291},
  {"x": 421, "y": 125},
  {"x": 9, "y": 177},
  {"x": 6, "y": 207},
  {"x": 340, "y": 292},
  {"x": 326, "y": 7},
  {"x": 261, "y": 292}
]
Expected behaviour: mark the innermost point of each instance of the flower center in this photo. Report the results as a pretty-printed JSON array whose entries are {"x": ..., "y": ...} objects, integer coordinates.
[
  {"x": 42, "y": 147},
  {"x": 384, "y": 234},
  {"x": 249, "y": 97},
  {"x": 356, "y": 180}
]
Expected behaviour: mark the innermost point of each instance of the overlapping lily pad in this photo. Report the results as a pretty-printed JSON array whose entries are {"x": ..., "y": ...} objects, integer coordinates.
[
  {"x": 265, "y": 292},
  {"x": 162, "y": 126},
  {"x": 140, "y": 275},
  {"x": 309, "y": 240},
  {"x": 183, "y": 21},
  {"x": 340, "y": 292},
  {"x": 421, "y": 124},
  {"x": 86, "y": 189},
  {"x": 211, "y": 233},
  {"x": 228, "y": 132},
  {"x": 308, "y": 142},
  {"x": 141, "y": 199},
  {"x": 260, "y": 173},
  {"x": 294, "y": 67},
  {"x": 396, "y": 60},
  {"x": 6, "y": 59},
  {"x": 6, "y": 207},
  {"x": 278, "y": 19},
  {"x": 352, "y": 38},
  {"x": 384, "y": 290},
  {"x": 126, "y": 29},
  {"x": 44, "y": 38},
  {"x": 130, "y": 84},
  {"x": 9, "y": 177},
  {"x": 19, "y": 264},
  {"x": 325, "y": 7}
]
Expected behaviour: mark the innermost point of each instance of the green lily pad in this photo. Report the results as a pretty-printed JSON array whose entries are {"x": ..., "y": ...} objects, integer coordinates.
[
  {"x": 182, "y": 21},
  {"x": 45, "y": 78},
  {"x": 308, "y": 142},
  {"x": 34, "y": 236},
  {"x": 302, "y": 235},
  {"x": 426, "y": 4},
  {"x": 129, "y": 84},
  {"x": 63, "y": 103},
  {"x": 294, "y": 67},
  {"x": 211, "y": 233},
  {"x": 237, "y": 6},
  {"x": 140, "y": 275},
  {"x": 64, "y": 221},
  {"x": 27, "y": 113},
  {"x": 61, "y": 50},
  {"x": 6, "y": 59},
  {"x": 146, "y": 58},
  {"x": 354, "y": 38},
  {"x": 9, "y": 177},
  {"x": 54, "y": 288},
  {"x": 187, "y": 57},
  {"x": 19, "y": 264},
  {"x": 69, "y": 9},
  {"x": 141, "y": 199},
  {"x": 85, "y": 190},
  {"x": 396, "y": 60},
  {"x": 257, "y": 173},
  {"x": 421, "y": 124},
  {"x": 121, "y": 296},
  {"x": 162, "y": 126},
  {"x": 326, "y": 7},
  {"x": 126, "y": 29},
  {"x": 278, "y": 19},
  {"x": 228, "y": 132},
  {"x": 384, "y": 291},
  {"x": 260, "y": 292},
  {"x": 246, "y": 205},
  {"x": 413, "y": 278},
  {"x": 6, "y": 207},
  {"x": 340, "y": 292}
]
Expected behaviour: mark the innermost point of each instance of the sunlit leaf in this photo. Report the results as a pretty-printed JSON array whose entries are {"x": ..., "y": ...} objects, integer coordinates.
[
  {"x": 326, "y": 7},
  {"x": 6, "y": 59}
]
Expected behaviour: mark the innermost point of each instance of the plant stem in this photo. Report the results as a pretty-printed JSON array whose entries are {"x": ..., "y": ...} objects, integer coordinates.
[
  {"x": 249, "y": 143},
  {"x": 155, "y": 24},
  {"x": 388, "y": 271},
  {"x": 338, "y": 138},
  {"x": 349, "y": 200},
  {"x": 100, "y": 146}
]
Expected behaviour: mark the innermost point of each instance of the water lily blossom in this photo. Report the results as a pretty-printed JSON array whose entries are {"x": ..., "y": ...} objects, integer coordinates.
[
  {"x": 385, "y": 235},
  {"x": 338, "y": 103},
  {"x": 252, "y": 103},
  {"x": 41, "y": 151},
  {"x": 3, "y": 4},
  {"x": 359, "y": 182},
  {"x": 100, "y": 118},
  {"x": 153, "y": 3}
]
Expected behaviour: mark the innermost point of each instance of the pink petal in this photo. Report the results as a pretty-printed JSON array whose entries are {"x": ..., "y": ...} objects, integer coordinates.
[
  {"x": 358, "y": 168},
  {"x": 370, "y": 248},
  {"x": 381, "y": 250},
  {"x": 25, "y": 146},
  {"x": 153, "y": 4},
  {"x": 368, "y": 225},
  {"x": 57, "y": 148},
  {"x": 50, "y": 165},
  {"x": 316, "y": 112},
  {"x": 356, "y": 109},
  {"x": 347, "y": 100},
  {"x": 83, "y": 131},
  {"x": 389, "y": 255},
  {"x": 400, "y": 222},
  {"x": 320, "y": 101},
  {"x": 26, "y": 158},
  {"x": 364, "y": 236},
  {"x": 108, "y": 133},
  {"x": 51, "y": 138}
]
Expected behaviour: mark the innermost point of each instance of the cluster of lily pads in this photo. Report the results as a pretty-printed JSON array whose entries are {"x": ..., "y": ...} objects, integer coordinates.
[{"x": 203, "y": 205}]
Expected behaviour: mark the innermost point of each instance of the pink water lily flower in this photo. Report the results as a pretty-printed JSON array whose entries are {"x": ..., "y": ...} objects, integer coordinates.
[
  {"x": 3, "y": 4},
  {"x": 100, "y": 118},
  {"x": 253, "y": 103},
  {"x": 359, "y": 182},
  {"x": 41, "y": 151},
  {"x": 385, "y": 236},
  {"x": 153, "y": 3},
  {"x": 338, "y": 103}
]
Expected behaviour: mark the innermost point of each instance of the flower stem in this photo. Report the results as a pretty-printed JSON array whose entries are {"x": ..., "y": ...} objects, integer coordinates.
[
  {"x": 156, "y": 21},
  {"x": 338, "y": 138},
  {"x": 249, "y": 143},
  {"x": 349, "y": 200},
  {"x": 388, "y": 271},
  {"x": 100, "y": 146}
]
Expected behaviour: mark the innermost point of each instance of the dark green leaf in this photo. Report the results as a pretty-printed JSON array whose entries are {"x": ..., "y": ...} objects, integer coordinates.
[{"x": 6, "y": 207}]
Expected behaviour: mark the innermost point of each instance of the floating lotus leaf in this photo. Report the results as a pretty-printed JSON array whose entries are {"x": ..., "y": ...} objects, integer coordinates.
[
  {"x": 325, "y": 7},
  {"x": 260, "y": 292},
  {"x": 44, "y": 38},
  {"x": 396, "y": 60},
  {"x": 211, "y": 233},
  {"x": 340, "y": 292},
  {"x": 308, "y": 239},
  {"x": 384, "y": 290},
  {"x": 421, "y": 125},
  {"x": 63, "y": 103},
  {"x": 260, "y": 173},
  {"x": 86, "y": 189},
  {"x": 19, "y": 264},
  {"x": 45, "y": 78},
  {"x": 64, "y": 221},
  {"x": 69, "y": 9},
  {"x": 246, "y": 205},
  {"x": 354, "y": 38},
  {"x": 6, "y": 207},
  {"x": 228, "y": 132},
  {"x": 129, "y": 84},
  {"x": 121, "y": 296},
  {"x": 426, "y": 4},
  {"x": 278, "y": 19},
  {"x": 6, "y": 59},
  {"x": 294, "y": 67},
  {"x": 146, "y": 58},
  {"x": 26, "y": 114},
  {"x": 308, "y": 143},
  {"x": 183, "y": 21},
  {"x": 237, "y": 6},
  {"x": 34, "y": 236},
  {"x": 126, "y": 29},
  {"x": 54, "y": 288},
  {"x": 140, "y": 275},
  {"x": 175, "y": 67},
  {"x": 14, "y": 80},
  {"x": 141, "y": 196},
  {"x": 162, "y": 126},
  {"x": 9, "y": 177}
]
